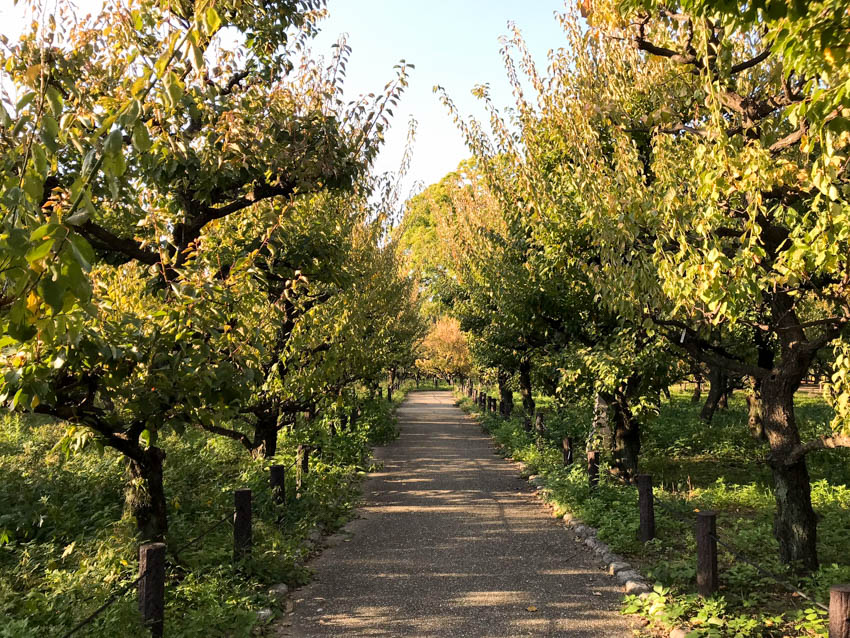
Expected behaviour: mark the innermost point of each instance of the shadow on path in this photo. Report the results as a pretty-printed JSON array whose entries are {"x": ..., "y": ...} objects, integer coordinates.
[{"x": 451, "y": 542}]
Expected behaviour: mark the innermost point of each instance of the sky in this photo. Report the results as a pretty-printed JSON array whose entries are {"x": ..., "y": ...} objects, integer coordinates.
[{"x": 453, "y": 44}]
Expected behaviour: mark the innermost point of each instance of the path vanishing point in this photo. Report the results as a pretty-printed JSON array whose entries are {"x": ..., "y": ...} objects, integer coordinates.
[{"x": 452, "y": 542}]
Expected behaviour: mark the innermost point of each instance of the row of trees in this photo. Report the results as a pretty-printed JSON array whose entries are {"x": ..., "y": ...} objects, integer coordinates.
[
  {"x": 673, "y": 198},
  {"x": 189, "y": 234}
]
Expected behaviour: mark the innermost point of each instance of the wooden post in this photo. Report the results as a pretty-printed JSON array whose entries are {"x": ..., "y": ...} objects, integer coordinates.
[
  {"x": 647, "y": 507},
  {"x": 567, "y": 448},
  {"x": 152, "y": 587},
  {"x": 593, "y": 468},
  {"x": 389, "y": 393},
  {"x": 706, "y": 530},
  {"x": 242, "y": 525},
  {"x": 502, "y": 407},
  {"x": 839, "y": 611},
  {"x": 526, "y": 423},
  {"x": 277, "y": 480}
]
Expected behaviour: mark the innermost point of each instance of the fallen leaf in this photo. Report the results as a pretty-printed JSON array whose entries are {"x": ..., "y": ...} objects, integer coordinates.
[{"x": 531, "y": 608}]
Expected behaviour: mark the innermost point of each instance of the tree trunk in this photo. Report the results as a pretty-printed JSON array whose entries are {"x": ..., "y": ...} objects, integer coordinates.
[
  {"x": 525, "y": 387},
  {"x": 265, "y": 435},
  {"x": 599, "y": 437},
  {"x": 696, "y": 397},
  {"x": 505, "y": 394},
  {"x": 145, "y": 496},
  {"x": 717, "y": 387},
  {"x": 795, "y": 522},
  {"x": 755, "y": 412},
  {"x": 626, "y": 439}
]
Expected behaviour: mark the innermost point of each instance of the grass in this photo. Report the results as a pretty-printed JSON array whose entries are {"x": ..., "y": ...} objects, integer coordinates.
[
  {"x": 699, "y": 467},
  {"x": 66, "y": 545}
]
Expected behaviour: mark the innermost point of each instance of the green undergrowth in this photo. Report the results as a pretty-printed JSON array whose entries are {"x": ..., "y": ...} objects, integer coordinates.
[
  {"x": 66, "y": 545},
  {"x": 697, "y": 467}
]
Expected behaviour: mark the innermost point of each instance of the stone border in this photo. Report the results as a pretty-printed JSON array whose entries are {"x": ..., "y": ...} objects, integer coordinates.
[
  {"x": 630, "y": 579},
  {"x": 616, "y": 566}
]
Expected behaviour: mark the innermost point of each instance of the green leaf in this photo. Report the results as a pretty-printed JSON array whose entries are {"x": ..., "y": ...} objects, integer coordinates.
[
  {"x": 141, "y": 138},
  {"x": 40, "y": 250},
  {"x": 113, "y": 144},
  {"x": 82, "y": 250}
]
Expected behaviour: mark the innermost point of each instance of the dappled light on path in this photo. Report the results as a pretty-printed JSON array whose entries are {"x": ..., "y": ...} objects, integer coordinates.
[{"x": 451, "y": 542}]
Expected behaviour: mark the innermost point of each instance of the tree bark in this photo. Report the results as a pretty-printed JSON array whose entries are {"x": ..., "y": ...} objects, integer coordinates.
[
  {"x": 795, "y": 522},
  {"x": 626, "y": 439},
  {"x": 599, "y": 436},
  {"x": 145, "y": 496},
  {"x": 505, "y": 393},
  {"x": 755, "y": 410},
  {"x": 525, "y": 386},
  {"x": 696, "y": 397},
  {"x": 717, "y": 387},
  {"x": 265, "y": 435}
]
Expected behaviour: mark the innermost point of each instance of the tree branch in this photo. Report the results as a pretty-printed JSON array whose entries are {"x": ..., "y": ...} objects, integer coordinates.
[{"x": 823, "y": 443}]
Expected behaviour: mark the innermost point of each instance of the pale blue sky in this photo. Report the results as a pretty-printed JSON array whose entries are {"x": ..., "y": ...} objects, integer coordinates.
[{"x": 453, "y": 44}]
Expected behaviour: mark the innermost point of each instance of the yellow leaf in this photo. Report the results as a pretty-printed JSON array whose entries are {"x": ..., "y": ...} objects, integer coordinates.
[
  {"x": 33, "y": 302},
  {"x": 531, "y": 608}
]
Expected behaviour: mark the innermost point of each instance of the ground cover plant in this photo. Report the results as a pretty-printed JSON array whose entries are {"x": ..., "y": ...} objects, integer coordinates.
[
  {"x": 698, "y": 467},
  {"x": 67, "y": 544}
]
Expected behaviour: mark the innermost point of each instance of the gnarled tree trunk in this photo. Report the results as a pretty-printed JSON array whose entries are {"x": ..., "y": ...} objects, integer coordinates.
[
  {"x": 525, "y": 386},
  {"x": 145, "y": 496},
  {"x": 599, "y": 437},
  {"x": 626, "y": 438},
  {"x": 506, "y": 396},
  {"x": 717, "y": 388},
  {"x": 795, "y": 522}
]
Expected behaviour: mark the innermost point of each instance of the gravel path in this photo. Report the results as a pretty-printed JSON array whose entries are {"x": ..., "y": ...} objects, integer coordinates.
[{"x": 451, "y": 542}]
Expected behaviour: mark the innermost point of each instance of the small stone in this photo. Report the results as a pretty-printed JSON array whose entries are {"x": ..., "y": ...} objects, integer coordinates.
[
  {"x": 679, "y": 632},
  {"x": 636, "y": 587},
  {"x": 611, "y": 557},
  {"x": 591, "y": 542},
  {"x": 627, "y": 575},
  {"x": 581, "y": 530},
  {"x": 279, "y": 592},
  {"x": 614, "y": 568},
  {"x": 315, "y": 536},
  {"x": 601, "y": 548},
  {"x": 264, "y": 615},
  {"x": 568, "y": 518}
]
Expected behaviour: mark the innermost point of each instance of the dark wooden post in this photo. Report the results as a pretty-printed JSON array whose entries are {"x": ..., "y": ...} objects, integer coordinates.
[
  {"x": 380, "y": 392},
  {"x": 502, "y": 407},
  {"x": 839, "y": 611},
  {"x": 593, "y": 468},
  {"x": 647, "y": 507},
  {"x": 526, "y": 423},
  {"x": 706, "y": 531},
  {"x": 389, "y": 392},
  {"x": 242, "y": 525},
  {"x": 152, "y": 587},
  {"x": 277, "y": 481},
  {"x": 567, "y": 448}
]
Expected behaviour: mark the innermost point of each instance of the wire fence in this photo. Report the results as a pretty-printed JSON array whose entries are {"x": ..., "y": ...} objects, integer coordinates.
[
  {"x": 110, "y": 601},
  {"x": 241, "y": 521},
  {"x": 688, "y": 519},
  {"x": 737, "y": 555}
]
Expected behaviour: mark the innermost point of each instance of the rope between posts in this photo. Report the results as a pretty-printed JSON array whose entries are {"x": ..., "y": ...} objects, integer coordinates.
[
  {"x": 104, "y": 606},
  {"x": 737, "y": 555},
  {"x": 767, "y": 572},
  {"x": 205, "y": 533}
]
